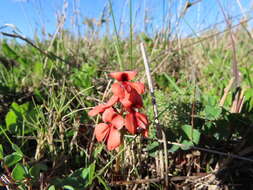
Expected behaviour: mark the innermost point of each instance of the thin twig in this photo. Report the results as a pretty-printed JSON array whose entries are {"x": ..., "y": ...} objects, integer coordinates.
[
  {"x": 201, "y": 149},
  {"x": 161, "y": 133},
  {"x": 213, "y": 151},
  {"x": 222, "y": 153}
]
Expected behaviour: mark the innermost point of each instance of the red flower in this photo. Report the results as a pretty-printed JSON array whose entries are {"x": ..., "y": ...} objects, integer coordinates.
[
  {"x": 129, "y": 95},
  {"x": 136, "y": 120},
  {"x": 128, "y": 92},
  {"x": 102, "y": 107},
  {"x": 109, "y": 131}
]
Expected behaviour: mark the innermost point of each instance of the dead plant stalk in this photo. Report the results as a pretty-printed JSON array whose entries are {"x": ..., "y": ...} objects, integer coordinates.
[{"x": 163, "y": 154}]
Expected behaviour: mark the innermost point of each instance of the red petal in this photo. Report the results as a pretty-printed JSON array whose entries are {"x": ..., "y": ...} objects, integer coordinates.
[
  {"x": 132, "y": 99},
  {"x": 138, "y": 86},
  {"x": 145, "y": 133},
  {"x": 118, "y": 90},
  {"x": 113, "y": 140},
  {"x": 101, "y": 131},
  {"x": 126, "y": 102},
  {"x": 96, "y": 110},
  {"x": 111, "y": 101},
  {"x": 130, "y": 123},
  {"x": 123, "y": 76},
  {"x": 118, "y": 121},
  {"x": 142, "y": 120},
  {"x": 108, "y": 114},
  {"x": 127, "y": 86},
  {"x": 136, "y": 99}
]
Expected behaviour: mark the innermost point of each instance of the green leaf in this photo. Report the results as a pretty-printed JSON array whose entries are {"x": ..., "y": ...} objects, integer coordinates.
[
  {"x": 249, "y": 99},
  {"x": 192, "y": 134},
  {"x": 11, "y": 118},
  {"x": 36, "y": 169},
  {"x": 187, "y": 145},
  {"x": 68, "y": 187},
  {"x": 18, "y": 173},
  {"x": 52, "y": 187},
  {"x": 98, "y": 150},
  {"x": 152, "y": 148},
  {"x": 15, "y": 107},
  {"x": 1, "y": 152},
  {"x": 17, "y": 149},
  {"x": 8, "y": 52},
  {"x": 24, "y": 108},
  {"x": 17, "y": 115},
  {"x": 212, "y": 112},
  {"x": 12, "y": 159},
  {"x": 88, "y": 173},
  {"x": 174, "y": 148},
  {"x": 91, "y": 173},
  {"x": 85, "y": 173},
  {"x": 211, "y": 100}
]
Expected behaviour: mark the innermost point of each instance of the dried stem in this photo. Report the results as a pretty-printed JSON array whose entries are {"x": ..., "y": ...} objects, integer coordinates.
[
  {"x": 213, "y": 151},
  {"x": 160, "y": 131},
  {"x": 235, "y": 156},
  {"x": 234, "y": 61},
  {"x": 226, "y": 91}
]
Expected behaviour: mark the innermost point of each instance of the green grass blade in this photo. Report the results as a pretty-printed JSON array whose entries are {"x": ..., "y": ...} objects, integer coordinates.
[{"x": 173, "y": 84}]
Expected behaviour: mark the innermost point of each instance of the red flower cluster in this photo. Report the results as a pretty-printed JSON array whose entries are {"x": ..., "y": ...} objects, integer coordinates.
[{"x": 128, "y": 94}]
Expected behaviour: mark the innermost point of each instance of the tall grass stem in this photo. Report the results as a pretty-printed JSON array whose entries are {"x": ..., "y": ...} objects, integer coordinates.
[
  {"x": 117, "y": 44},
  {"x": 131, "y": 33}
]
